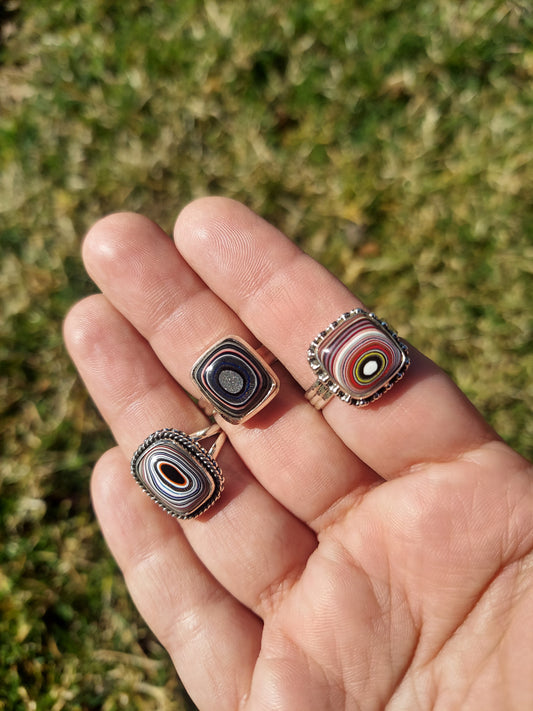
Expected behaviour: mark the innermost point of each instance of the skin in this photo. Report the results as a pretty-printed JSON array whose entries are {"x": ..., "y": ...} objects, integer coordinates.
[{"x": 375, "y": 558}]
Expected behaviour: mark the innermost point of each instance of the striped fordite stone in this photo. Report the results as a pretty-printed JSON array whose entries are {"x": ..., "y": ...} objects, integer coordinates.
[
  {"x": 359, "y": 357},
  {"x": 177, "y": 473},
  {"x": 234, "y": 379}
]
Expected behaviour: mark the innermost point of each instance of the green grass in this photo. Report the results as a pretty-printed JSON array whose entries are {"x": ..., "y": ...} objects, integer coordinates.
[{"x": 391, "y": 140}]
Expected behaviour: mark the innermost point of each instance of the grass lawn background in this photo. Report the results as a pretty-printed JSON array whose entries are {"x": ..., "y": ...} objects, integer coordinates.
[{"x": 391, "y": 140}]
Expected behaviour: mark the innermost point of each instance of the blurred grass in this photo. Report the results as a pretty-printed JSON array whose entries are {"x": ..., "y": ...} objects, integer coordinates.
[{"x": 391, "y": 140}]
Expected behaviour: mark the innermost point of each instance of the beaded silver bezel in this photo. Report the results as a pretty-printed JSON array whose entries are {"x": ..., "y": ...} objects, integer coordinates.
[{"x": 324, "y": 379}]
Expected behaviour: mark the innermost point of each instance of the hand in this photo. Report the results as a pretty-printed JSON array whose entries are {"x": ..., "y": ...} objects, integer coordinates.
[{"x": 358, "y": 558}]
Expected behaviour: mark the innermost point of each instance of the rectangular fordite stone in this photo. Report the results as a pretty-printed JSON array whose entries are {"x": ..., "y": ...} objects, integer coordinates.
[
  {"x": 358, "y": 357},
  {"x": 177, "y": 473},
  {"x": 235, "y": 379}
]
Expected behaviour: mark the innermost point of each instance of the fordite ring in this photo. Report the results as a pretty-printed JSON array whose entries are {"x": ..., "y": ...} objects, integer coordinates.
[
  {"x": 358, "y": 357},
  {"x": 234, "y": 379},
  {"x": 178, "y": 473}
]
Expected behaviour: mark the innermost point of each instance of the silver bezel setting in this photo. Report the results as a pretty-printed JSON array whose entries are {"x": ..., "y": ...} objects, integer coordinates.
[
  {"x": 197, "y": 452},
  {"x": 261, "y": 362},
  {"x": 324, "y": 378}
]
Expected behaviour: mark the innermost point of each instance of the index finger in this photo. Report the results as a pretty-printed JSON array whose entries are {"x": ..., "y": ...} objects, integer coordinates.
[{"x": 286, "y": 298}]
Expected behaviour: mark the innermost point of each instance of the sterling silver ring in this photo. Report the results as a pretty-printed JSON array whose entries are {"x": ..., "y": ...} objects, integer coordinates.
[
  {"x": 358, "y": 357},
  {"x": 236, "y": 381},
  {"x": 177, "y": 473}
]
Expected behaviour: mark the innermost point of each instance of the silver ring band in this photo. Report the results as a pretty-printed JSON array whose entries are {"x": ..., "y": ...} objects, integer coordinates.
[{"x": 318, "y": 394}]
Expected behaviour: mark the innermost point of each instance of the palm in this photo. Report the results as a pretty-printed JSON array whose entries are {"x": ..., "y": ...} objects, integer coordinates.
[
  {"x": 429, "y": 600},
  {"x": 313, "y": 584}
]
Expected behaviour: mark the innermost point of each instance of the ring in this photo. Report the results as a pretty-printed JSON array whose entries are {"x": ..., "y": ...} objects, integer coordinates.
[
  {"x": 235, "y": 380},
  {"x": 358, "y": 357},
  {"x": 178, "y": 473}
]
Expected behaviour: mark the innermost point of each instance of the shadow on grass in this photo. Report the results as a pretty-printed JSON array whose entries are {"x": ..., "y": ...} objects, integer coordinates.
[{"x": 8, "y": 14}]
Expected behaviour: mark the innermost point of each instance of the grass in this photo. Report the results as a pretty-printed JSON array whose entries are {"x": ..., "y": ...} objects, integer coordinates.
[{"x": 391, "y": 140}]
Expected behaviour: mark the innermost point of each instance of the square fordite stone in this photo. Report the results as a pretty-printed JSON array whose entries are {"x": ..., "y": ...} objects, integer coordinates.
[
  {"x": 234, "y": 378},
  {"x": 358, "y": 357}
]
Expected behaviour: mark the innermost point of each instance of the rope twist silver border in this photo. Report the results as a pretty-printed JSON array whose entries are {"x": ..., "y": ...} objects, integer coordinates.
[{"x": 193, "y": 453}]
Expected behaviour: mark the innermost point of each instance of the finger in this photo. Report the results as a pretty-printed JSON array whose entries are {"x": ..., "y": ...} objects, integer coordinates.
[
  {"x": 140, "y": 271},
  {"x": 243, "y": 540},
  {"x": 286, "y": 299},
  {"x": 212, "y": 639}
]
